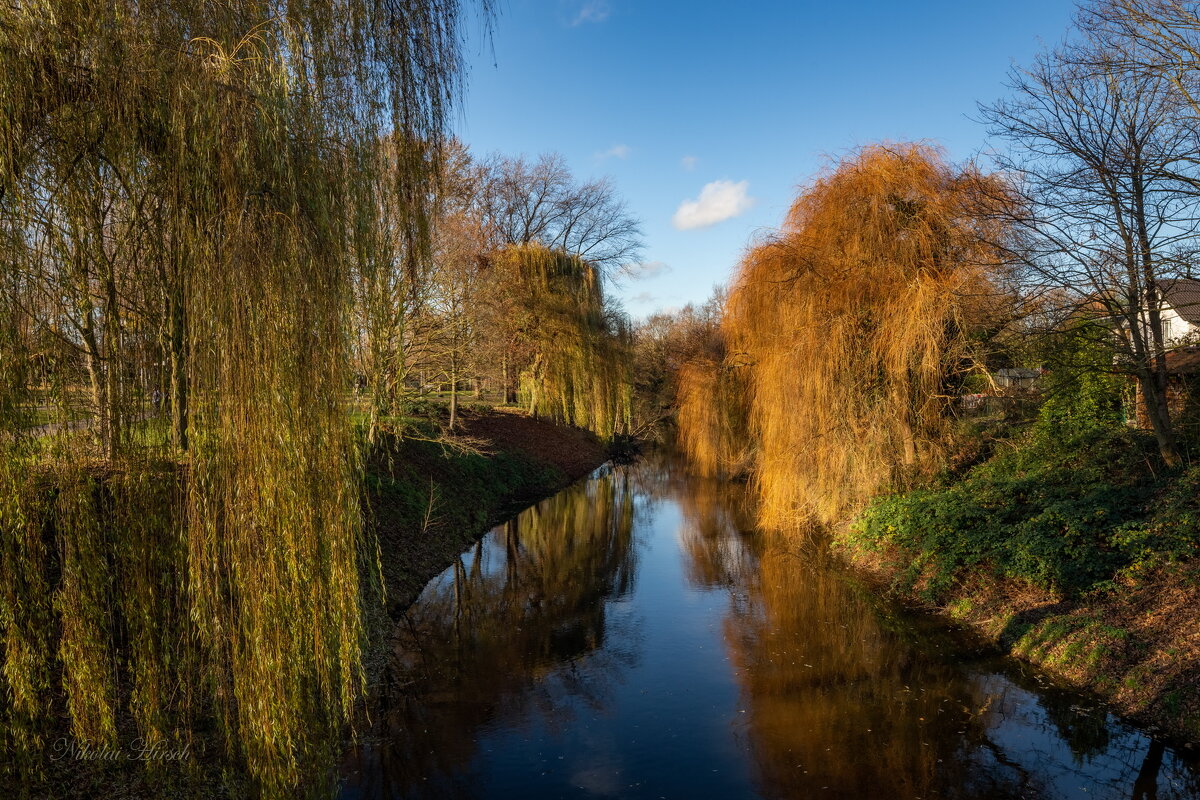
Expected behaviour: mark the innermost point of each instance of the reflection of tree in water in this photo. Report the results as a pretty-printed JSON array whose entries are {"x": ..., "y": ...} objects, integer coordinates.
[
  {"x": 832, "y": 690},
  {"x": 833, "y": 701},
  {"x": 1077, "y": 743},
  {"x": 843, "y": 696},
  {"x": 503, "y": 634},
  {"x": 714, "y": 514},
  {"x": 713, "y": 517}
]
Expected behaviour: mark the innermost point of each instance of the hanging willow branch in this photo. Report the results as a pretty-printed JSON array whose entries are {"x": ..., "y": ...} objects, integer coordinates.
[
  {"x": 183, "y": 189},
  {"x": 843, "y": 329},
  {"x": 579, "y": 369}
]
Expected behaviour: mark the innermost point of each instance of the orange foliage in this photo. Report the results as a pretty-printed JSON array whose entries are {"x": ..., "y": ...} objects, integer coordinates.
[{"x": 843, "y": 328}]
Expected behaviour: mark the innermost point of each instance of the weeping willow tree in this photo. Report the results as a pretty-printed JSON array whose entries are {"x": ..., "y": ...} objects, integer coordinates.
[
  {"x": 711, "y": 414},
  {"x": 711, "y": 405},
  {"x": 844, "y": 330},
  {"x": 186, "y": 192},
  {"x": 577, "y": 346}
]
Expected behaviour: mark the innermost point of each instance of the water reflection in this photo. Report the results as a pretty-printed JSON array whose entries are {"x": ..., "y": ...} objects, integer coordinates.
[
  {"x": 859, "y": 699},
  {"x": 734, "y": 665},
  {"x": 496, "y": 636}
]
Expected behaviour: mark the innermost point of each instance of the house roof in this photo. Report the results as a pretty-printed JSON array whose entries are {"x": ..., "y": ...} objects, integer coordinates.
[
  {"x": 1183, "y": 294},
  {"x": 1183, "y": 361}
]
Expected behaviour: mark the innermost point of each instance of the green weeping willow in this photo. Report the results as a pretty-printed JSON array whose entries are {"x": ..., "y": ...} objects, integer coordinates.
[
  {"x": 183, "y": 189},
  {"x": 578, "y": 347}
]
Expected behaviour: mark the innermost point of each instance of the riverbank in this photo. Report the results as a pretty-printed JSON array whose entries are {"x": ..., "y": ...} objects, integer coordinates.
[
  {"x": 428, "y": 500},
  {"x": 1135, "y": 644},
  {"x": 425, "y": 501},
  {"x": 1076, "y": 556}
]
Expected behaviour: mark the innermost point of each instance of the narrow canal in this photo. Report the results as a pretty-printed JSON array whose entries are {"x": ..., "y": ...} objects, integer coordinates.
[{"x": 632, "y": 637}]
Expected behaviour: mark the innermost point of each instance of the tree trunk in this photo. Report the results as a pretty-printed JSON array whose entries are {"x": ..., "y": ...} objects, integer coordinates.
[
  {"x": 504, "y": 396},
  {"x": 179, "y": 384},
  {"x": 99, "y": 382},
  {"x": 1154, "y": 400},
  {"x": 453, "y": 394},
  {"x": 1160, "y": 416},
  {"x": 112, "y": 375},
  {"x": 95, "y": 369},
  {"x": 901, "y": 397},
  {"x": 535, "y": 386}
]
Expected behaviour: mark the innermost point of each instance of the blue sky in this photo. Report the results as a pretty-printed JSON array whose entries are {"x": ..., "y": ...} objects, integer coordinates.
[{"x": 667, "y": 97}]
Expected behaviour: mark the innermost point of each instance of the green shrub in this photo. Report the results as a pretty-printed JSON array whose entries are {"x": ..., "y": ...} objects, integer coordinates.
[
  {"x": 1082, "y": 395},
  {"x": 1171, "y": 533},
  {"x": 1056, "y": 513},
  {"x": 412, "y": 406}
]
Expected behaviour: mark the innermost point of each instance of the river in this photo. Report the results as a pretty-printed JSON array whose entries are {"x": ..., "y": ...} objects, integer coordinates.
[{"x": 634, "y": 637}]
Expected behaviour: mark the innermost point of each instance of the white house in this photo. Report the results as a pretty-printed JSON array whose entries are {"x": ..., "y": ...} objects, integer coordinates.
[{"x": 1180, "y": 310}]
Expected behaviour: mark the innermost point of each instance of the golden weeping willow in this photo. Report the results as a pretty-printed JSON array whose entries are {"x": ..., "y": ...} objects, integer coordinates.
[
  {"x": 183, "y": 194},
  {"x": 711, "y": 414},
  {"x": 842, "y": 331},
  {"x": 578, "y": 345}
]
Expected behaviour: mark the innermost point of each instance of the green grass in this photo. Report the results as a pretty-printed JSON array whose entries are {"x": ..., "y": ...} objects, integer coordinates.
[
  {"x": 1066, "y": 515},
  {"x": 424, "y": 484}
]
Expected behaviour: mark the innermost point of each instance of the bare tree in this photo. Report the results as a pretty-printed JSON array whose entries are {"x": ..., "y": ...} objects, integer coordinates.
[
  {"x": 453, "y": 309},
  {"x": 1157, "y": 37},
  {"x": 1103, "y": 155},
  {"x": 526, "y": 202}
]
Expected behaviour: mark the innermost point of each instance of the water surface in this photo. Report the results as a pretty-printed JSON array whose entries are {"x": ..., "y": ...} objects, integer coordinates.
[{"x": 632, "y": 637}]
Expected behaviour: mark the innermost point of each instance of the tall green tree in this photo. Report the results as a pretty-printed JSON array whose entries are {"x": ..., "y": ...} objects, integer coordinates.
[{"x": 183, "y": 192}]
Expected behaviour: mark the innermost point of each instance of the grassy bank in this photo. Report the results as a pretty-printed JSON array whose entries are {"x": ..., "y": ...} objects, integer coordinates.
[{"x": 1074, "y": 552}]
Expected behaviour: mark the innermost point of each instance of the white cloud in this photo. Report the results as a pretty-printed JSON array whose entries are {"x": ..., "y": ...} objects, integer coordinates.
[
  {"x": 647, "y": 269},
  {"x": 688, "y": 162},
  {"x": 643, "y": 299},
  {"x": 718, "y": 201},
  {"x": 592, "y": 11},
  {"x": 616, "y": 151}
]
